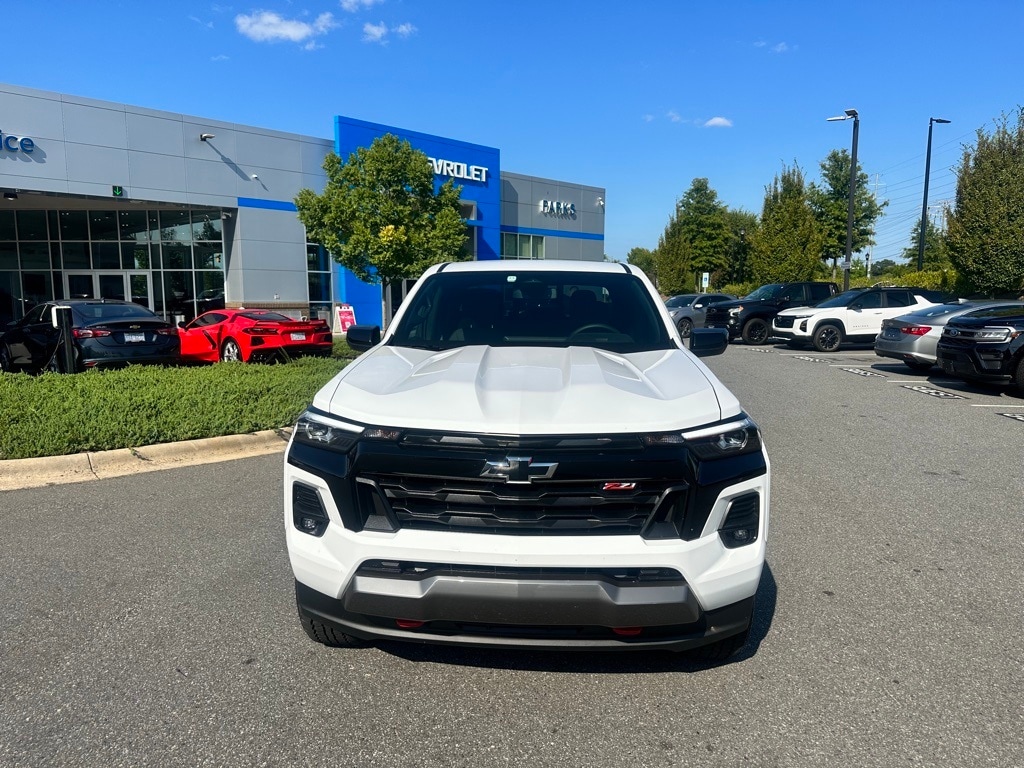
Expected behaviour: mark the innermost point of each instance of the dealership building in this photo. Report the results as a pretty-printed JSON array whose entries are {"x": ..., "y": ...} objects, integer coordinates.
[{"x": 182, "y": 213}]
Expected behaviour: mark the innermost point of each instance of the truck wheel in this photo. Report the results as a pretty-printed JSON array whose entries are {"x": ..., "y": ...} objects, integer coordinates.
[
  {"x": 327, "y": 635},
  {"x": 755, "y": 331},
  {"x": 720, "y": 651},
  {"x": 827, "y": 337},
  {"x": 6, "y": 364},
  {"x": 1018, "y": 376},
  {"x": 685, "y": 327}
]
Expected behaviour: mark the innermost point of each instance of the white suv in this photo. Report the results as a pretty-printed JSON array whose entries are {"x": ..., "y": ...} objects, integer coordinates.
[
  {"x": 528, "y": 457},
  {"x": 854, "y": 316}
]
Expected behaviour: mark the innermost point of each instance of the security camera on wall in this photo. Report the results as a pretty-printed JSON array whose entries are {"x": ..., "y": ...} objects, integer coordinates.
[{"x": 255, "y": 177}]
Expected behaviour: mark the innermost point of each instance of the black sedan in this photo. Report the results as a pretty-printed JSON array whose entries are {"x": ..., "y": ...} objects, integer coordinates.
[{"x": 103, "y": 334}]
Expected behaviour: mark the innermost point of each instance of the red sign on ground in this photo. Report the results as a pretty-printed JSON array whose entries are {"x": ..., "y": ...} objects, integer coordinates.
[{"x": 345, "y": 316}]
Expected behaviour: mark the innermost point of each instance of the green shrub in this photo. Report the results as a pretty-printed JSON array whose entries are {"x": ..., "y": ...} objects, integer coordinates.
[{"x": 54, "y": 414}]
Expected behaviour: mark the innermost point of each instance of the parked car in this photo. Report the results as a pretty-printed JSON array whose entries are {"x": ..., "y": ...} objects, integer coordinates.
[
  {"x": 985, "y": 345},
  {"x": 480, "y": 478},
  {"x": 688, "y": 310},
  {"x": 913, "y": 337},
  {"x": 104, "y": 333},
  {"x": 854, "y": 316},
  {"x": 251, "y": 335},
  {"x": 751, "y": 317}
]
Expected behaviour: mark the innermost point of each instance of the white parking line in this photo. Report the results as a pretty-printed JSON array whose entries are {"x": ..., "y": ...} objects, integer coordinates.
[{"x": 997, "y": 405}]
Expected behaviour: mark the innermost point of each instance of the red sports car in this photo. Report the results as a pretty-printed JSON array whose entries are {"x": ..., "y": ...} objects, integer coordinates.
[{"x": 251, "y": 335}]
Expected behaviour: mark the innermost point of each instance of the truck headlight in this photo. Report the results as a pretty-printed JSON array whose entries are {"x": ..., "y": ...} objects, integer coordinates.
[
  {"x": 735, "y": 310},
  {"x": 730, "y": 438},
  {"x": 324, "y": 432}
]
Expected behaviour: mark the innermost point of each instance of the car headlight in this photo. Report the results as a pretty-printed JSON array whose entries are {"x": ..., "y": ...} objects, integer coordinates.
[
  {"x": 324, "y": 432},
  {"x": 735, "y": 310},
  {"x": 731, "y": 438},
  {"x": 995, "y": 334}
]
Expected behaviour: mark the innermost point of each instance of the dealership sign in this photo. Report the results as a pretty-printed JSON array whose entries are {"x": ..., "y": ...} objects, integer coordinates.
[
  {"x": 11, "y": 143},
  {"x": 458, "y": 170},
  {"x": 557, "y": 208}
]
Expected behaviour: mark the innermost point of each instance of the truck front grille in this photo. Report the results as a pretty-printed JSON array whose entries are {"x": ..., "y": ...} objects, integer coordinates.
[{"x": 552, "y": 508}]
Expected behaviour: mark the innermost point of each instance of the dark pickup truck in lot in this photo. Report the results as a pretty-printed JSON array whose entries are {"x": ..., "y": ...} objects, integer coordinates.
[
  {"x": 751, "y": 317},
  {"x": 985, "y": 345}
]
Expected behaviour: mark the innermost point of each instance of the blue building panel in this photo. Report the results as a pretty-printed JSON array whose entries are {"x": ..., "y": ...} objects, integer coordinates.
[{"x": 476, "y": 168}]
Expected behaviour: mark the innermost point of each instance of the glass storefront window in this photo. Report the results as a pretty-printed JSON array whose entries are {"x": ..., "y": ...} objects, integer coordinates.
[
  {"x": 8, "y": 255},
  {"x": 135, "y": 256},
  {"x": 8, "y": 297},
  {"x": 175, "y": 227},
  {"x": 7, "y": 230},
  {"x": 319, "y": 286},
  {"x": 75, "y": 255},
  {"x": 134, "y": 226},
  {"x": 106, "y": 256},
  {"x": 177, "y": 256},
  {"x": 36, "y": 288},
  {"x": 35, "y": 255},
  {"x": 208, "y": 255},
  {"x": 317, "y": 258},
  {"x": 206, "y": 225},
  {"x": 103, "y": 225},
  {"x": 179, "y": 294},
  {"x": 74, "y": 225},
  {"x": 32, "y": 225}
]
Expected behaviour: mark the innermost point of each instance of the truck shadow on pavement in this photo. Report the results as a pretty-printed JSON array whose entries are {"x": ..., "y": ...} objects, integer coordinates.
[{"x": 594, "y": 662}]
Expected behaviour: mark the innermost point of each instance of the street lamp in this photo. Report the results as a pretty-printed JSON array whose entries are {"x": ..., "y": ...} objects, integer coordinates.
[
  {"x": 924, "y": 205},
  {"x": 850, "y": 113}
]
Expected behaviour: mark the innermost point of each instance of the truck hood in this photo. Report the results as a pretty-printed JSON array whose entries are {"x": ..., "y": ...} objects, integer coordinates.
[{"x": 528, "y": 390}]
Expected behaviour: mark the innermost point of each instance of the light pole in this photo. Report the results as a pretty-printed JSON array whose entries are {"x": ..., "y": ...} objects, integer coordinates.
[
  {"x": 924, "y": 205},
  {"x": 850, "y": 113}
]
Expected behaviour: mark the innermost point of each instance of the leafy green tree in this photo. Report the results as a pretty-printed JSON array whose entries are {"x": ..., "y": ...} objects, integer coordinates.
[
  {"x": 643, "y": 258},
  {"x": 884, "y": 267},
  {"x": 380, "y": 216},
  {"x": 788, "y": 244},
  {"x": 742, "y": 228},
  {"x": 830, "y": 202},
  {"x": 985, "y": 234},
  {"x": 935, "y": 256},
  {"x": 696, "y": 238}
]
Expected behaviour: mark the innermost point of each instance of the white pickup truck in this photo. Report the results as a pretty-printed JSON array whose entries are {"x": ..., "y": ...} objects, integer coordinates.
[{"x": 528, "y": 457}]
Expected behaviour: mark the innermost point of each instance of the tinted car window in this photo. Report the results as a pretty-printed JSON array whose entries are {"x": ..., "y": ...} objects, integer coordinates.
[
  {"x": 819, "y": 291},
  {"x": 210, "y": 318},
  {"x": 680, "y": 301},
  {"x": 870, "y": 300},
  {"x": 770, "y": 291},
  {"x": 843, "y": 299},
  {"x": 998, "y": 313},
  {"x": 899, "y": 298},
  {"x": 92, "y": 312},
  {"x": 275, "y": 317}
]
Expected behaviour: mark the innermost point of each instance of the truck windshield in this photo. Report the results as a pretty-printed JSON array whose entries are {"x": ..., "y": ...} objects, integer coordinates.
[
  {"x": 612, "y": 311},
  {"x": 770, "y": 291}
]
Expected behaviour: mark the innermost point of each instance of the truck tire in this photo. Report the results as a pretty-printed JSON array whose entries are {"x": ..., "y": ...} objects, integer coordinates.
[
  {"x": 327, "y": 635},
  {"x": 1018, "y": 376},
  {"x": 827, "y": 337},
  {"x": 756, "y": 331}
]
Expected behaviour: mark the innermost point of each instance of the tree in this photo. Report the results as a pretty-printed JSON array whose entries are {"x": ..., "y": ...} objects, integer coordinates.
[
  {"x": 830, "y": 202},
  {"x": 985, "y": 234},
  {"x": 788, "y": 244},
  {"x": 644, "y": 259},
  {"x": 695, "y": 240},
  {"x": 742, "y": 226},
  {"x": 379, "y": 215},
  {"x": 935, "y": 256}
]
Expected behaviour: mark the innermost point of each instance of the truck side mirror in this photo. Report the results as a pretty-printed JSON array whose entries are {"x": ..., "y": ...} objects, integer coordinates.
[
  {"x": 362, "y": 337},
  {"x": 707, "y": 342}
]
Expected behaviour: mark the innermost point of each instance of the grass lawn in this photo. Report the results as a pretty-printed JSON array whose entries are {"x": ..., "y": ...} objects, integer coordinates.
[{"x": 54, "y": 414}]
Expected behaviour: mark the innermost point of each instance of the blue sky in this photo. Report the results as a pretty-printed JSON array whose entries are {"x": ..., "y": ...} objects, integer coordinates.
[{"x": 637, "y": 97}]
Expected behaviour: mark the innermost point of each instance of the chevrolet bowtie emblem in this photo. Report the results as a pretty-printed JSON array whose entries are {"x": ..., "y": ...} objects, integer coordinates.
[{"x": 518, "y": 469}]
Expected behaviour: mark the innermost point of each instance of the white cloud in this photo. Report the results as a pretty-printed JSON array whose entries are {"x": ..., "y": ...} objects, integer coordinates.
[
  {"x": 718, "y": 122},
  {"x": 269, "y": 27},
  {"x": 404, "y": 30},
  {"x": 219, "y": 57},
  {"x": 760, "y": 44},
  {"x": 648, "y": 118},
  {"x": 354, "y": 5},
  {"x": 673, "y": 116},
  {"x": 200, "y": 22},
  {"x": 375, "y": 33},
  {"x": 780, "y": 48}
]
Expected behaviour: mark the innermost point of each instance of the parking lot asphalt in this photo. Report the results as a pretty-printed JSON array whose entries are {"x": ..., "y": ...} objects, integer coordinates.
[{"x": 97, "y": 465}]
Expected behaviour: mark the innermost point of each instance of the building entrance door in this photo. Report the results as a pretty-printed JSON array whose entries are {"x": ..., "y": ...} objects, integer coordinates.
[{"x": 120, "y": 285}]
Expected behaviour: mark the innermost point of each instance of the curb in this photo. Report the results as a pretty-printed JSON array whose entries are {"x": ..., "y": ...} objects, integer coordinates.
[{"x": 16, "y": 474}]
